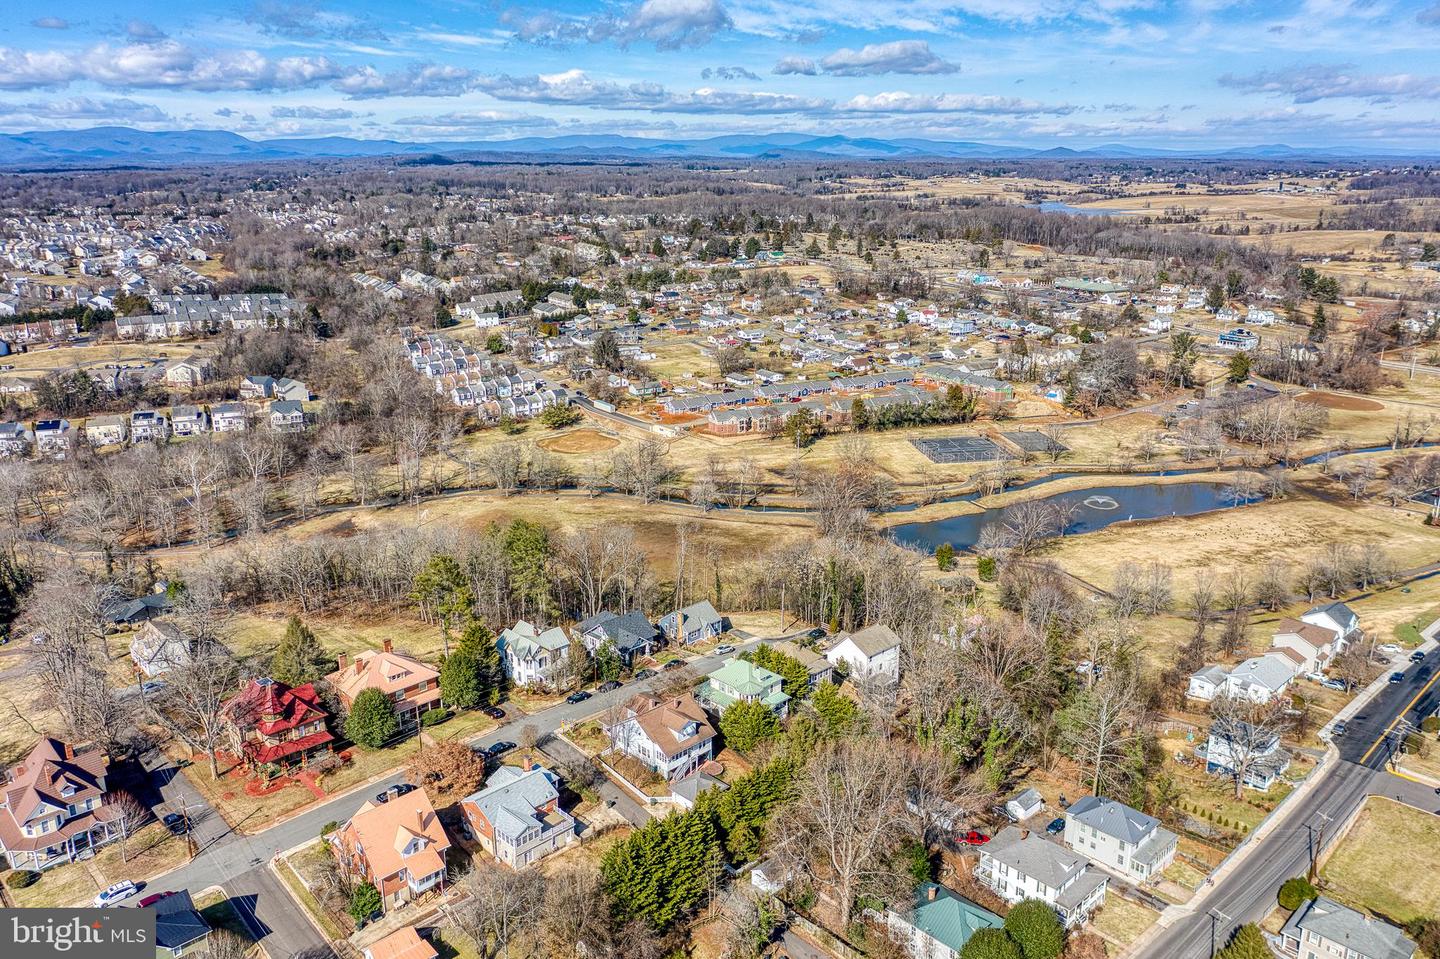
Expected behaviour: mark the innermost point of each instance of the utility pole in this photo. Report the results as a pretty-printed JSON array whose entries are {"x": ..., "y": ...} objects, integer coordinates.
[
  {"x": 1317, "y": 843},
  {"x": 1216, "y": 917}
]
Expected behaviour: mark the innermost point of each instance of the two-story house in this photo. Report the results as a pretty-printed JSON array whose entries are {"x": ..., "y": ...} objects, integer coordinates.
[
  {"x": 1236, "y": 748},
  {"x": 272, "y": 723},
  {"x": 1258, "y": 679},
  {"x": 53, "y": 808},
  {"x": 1340, "y": 619},
  {"x": 106, "y": 430},
  {"x": 872, "y": 653},
  {"x": 1314, "y": 645},
  {"x": 630, "y": 635},
  {"x": 517, "y": 816},
  {"x": 740, "y": 681},
  {"x": 1018, "y": 864},
  {"x": 1117, "y": 837},
  {"x": 189, "y": 420},
  {"x": 411, "y": 686},
  {"x": 159, "y": 647},
  {"x": 229, "y": 417},
  {"x": 149, "y": 426},
  {"x": 699, "y": 621},
  {"x": 671, "y": 736},
  {"x": 1323, "y": 929},
  {"x": 399, "y": 846},
  {"x": 287, "y": 416},
  {"x": 530, "y": 656}
]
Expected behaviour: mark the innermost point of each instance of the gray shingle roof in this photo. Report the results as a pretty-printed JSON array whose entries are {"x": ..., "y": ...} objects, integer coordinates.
[
  {"x": 1036, "y": 857},
  {"x": 1369, "y": 937},
  {"x": 1113, "y": 818}
]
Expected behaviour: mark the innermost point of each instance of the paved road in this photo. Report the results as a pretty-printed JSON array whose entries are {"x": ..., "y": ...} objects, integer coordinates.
[
  {"x": 1247, "y": 893},
  {"x": 239, "y": 863}
]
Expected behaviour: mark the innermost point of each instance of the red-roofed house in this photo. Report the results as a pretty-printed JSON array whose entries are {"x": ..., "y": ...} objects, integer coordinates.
[
  {"x": 399, "y": 846},
  {"x": 52, "y": 806},
  {"x": 277, "y": 724}
]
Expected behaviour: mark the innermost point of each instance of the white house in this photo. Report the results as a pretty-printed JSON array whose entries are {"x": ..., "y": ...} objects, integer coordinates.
[
  {"x": 1117, "y": 837},
  {"x": 671, "y": 736},
  {"x": 532, "y": 656},
  {"x": 1336, "y": 617},
  {"x": 938, "y": 923},
  {"x": 1018, "y": 864},
  {"x": 1259, "y": 679},
  {"x": 1023, "y": 805},
  {"x": 873, "y": 652},
  {"x": 1257, "y": 750}
]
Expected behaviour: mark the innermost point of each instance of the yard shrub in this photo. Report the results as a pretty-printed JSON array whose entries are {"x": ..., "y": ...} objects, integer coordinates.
[
  {"x": 991, "y": 944},
  {"x": 944, "y": 556},
  {"x": 372, "y": 719},
  {"x": 986, "y": 567},
  {"x": 328, "y": 828},
  {"x": 1294, "y": 892},
  {"x": 364, "y": 903},
  {"x": 1430, "y": 724},
  {"x": 21, "y": 878},
  {"x": 434, "y": 717},
  {"x": 1036, "y": 929}
]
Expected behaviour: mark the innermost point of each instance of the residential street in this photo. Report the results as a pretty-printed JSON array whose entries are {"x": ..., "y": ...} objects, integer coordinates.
[
  {"x": 240, "y": 863},
  {"x": 1247, "y": 893}
]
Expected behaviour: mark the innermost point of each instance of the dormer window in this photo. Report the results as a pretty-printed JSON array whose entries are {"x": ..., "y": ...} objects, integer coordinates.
[{"x": 68, "y": 790}]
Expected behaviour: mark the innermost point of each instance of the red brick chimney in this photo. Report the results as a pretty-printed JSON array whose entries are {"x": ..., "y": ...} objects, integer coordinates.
[
  {"x": 341, "y": 661},
  {"x": 932, "y": 892},
  {"x": 385, "y": 644}
]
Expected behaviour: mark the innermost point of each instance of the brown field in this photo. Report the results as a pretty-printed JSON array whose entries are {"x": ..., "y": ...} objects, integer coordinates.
[
  {"x": 1334, "y": 401},
  {"x": 579, "y": 441}
]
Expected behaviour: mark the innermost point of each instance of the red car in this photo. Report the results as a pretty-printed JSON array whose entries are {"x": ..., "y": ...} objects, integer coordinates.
[
  {"x": 152, "y": 900},
  {"x": 974, "y": 838}
]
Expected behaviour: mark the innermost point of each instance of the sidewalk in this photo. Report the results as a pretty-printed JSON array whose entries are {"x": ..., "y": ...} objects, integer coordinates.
[{"x": 1174, "y": 913}]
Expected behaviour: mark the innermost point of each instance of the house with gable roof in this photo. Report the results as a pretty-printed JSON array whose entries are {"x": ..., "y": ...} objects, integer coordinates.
[
  {"x": 671, "y": 736},
  {"x": 517, "y": 816},
  {"x": 53, "y": 806},
  {"x": 1314, "y": 645},
  {"x": 399, "y": 846},
  {"x": 699, "y": 621},
  {"x": 738, "y": 680},
  {"x": 1019, "y": 864},
  {"x": 1323, "y": 929},
  {"x": 532, "y": 656},
  {"x": 872, "y": 652},
  {"x": 630, "y": 633}
]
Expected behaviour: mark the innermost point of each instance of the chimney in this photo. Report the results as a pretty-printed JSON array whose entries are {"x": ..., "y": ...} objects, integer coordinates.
[
  {"x": 932, "y": 892},
  {"x": 341, "y": 661},
  {"x": 69, "y": 751},
  {"x": 359, "y": 666},
  {"x": 386, "y": 644}
]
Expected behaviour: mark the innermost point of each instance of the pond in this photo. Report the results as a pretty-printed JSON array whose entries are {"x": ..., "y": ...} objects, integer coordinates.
[
  {"x": 1098, "y": 507},
  {"x": 1055, "y": 206}
]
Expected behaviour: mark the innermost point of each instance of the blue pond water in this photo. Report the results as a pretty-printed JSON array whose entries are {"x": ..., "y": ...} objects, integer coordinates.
[{"x": 1099, "y": 507}]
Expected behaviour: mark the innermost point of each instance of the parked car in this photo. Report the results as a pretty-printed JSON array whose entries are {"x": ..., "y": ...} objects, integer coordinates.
[
  {"x": 494, "y": 712},
  {"x": 817, "y": 633},
  {"x": 675, "y": 664},
  {"x": 152, "y": 899},
  {"x": 1390, "y": 649},
  {"x": 110, "y": 895},
  {"x": 973, "y": 838},
  {"x": 1335, "y": 684},
  {"x": 607, "y": 686},
  {"x": 1397, "y": 677},
  {"x": 646, "y": 674},
  {"x": 500, "y": 749},
  {"x": 176, "y": 823},
  {"x": 1417, "y": 656},
  {"x": 1338, "y": 729},
  {"x": 579, "y": 696},
  {"x": 399, "y": 789},
  {"x": 724, "y": 650},
  {"x": 1056, "y": 827}
]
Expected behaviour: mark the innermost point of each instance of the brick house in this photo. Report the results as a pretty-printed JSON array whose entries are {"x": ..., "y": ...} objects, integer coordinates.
[
  {"x": 411, "y": 686},
  {"x": 273, "y": 723},
  {"x": 399, "y": 846}
]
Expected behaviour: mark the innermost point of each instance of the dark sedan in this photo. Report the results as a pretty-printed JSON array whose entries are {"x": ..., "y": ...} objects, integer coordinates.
[
  {"x": 499, "y": 749},
  {"x": 579, "y": 696}
]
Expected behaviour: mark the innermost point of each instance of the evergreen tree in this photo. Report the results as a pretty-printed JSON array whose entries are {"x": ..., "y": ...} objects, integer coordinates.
[
  {"x": 1239, "y": 369},
  {"x": 802, "y": 427},
  {"x": 1214, "y": 298},
  {"x": 1130, "y": 316},
  {"x": 944, "y": 556},
  {"x": 364, "y": 902},
  {"x": 1319, "y": 326},
  {"x": 795, "y": 677},
  {"x": 663, "y": 871},
  {"x": 990, "y": 944},
  {"x": 1248, "y": 943},
  {"x": 299, "y": 658},
  {"x": 1036, "y": 929},
  {"x": 372, "y": 721},
  {"x": 839, "y": 715},
  {"x": 859, "y": 414},
  {"x": 607, "y": 662},
  {"x": 442, "y": 588},
  {"x": 527, "y": 552},
  {"x": 747, "y": 724}
]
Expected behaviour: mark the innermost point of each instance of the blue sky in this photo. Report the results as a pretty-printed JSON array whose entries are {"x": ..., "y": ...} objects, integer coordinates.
[{"x": 1199, "y": 73}]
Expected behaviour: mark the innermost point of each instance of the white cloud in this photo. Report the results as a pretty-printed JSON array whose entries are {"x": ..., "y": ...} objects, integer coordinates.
[
  {"x": 123, "y": 110},
  {"x": 51, "y": 23},
  {"x": 897, "y": 56},
  {"x": 313, "y": 113},
  {"x": 1309, "y": 84},
  {"x": 163, "y": 63},
  {"x": 419, "y": 80},
  {"x": 803, "y": 66},
  {"x": 901, "y": 102}
]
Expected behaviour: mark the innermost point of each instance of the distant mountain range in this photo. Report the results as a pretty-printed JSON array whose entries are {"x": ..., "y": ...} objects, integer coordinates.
[{"x": 122, "y": 146}]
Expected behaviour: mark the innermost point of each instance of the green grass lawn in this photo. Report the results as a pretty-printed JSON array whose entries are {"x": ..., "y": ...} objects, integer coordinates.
[
  {"x": 1389, "y": 863},
  {"x": 1408, "y": 632}
]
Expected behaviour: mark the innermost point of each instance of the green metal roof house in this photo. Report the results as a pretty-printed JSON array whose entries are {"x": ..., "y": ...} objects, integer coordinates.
[
  {"x": 940, "y": 922},
  {"x": 738, "y": 680}
]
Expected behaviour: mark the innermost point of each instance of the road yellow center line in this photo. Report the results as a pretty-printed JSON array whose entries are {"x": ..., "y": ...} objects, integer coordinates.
[{"x": 1401, "y": 715}]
